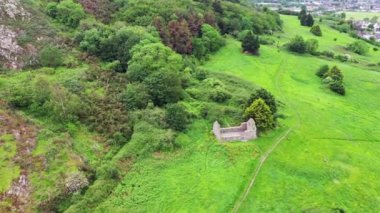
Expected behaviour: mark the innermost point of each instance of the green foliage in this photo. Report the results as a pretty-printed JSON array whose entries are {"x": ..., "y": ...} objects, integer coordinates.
[
  {"x": 158, "y": 68},
  {"x": 176, "y": 117},
  {"x": 112, "y": 44},
  {"x": 150, "y": 58},
  {"x": 261, "y": 113},
  {"x": 209, "y": 42},
  {"x": 266, "y": 96},
  {"x": 316, "y": 30},
  {"x": 164, "y": 87},
  {"x": 147, "y": 139},
  {"x": 333, "y": 78},
  {"x": 136, "y": 96},
  {"x": 311, "y": 46},
  {"x": 305, "y": 19},
  {"x": 251, "y": 43},
  {"x": 359, "y": 47},
  {"x": 322, "y": 70},
  {"x": 67, "y": 12},
  {"x": 51, "y": 56},
  {"x": 337, "y": 87},
  {"x": 299, "y": 45}
]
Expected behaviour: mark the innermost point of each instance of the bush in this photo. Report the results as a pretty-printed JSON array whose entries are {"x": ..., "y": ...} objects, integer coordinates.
[
  {"x": 51, "y": 56},
  {"x": 297, "y": 44},
  {"x": 68, "y": 13},
  {"x": 316, "y": 30},
  {"x": 328, "y": 54},
  {"x": 312, "y": 46},
  {"x": 200, "y": 74},
  {"x": 359, "y": 47},
  {"x": 342, "y": 58},
  {"x": 322, "y": 71},
  {"x": 176, "y": 117},
  {"x": 337, "y": 87},
  {"x": 375, "y": 49},
  {"x": 136, "y": 96},
  {"x": 219, "y": 94}
]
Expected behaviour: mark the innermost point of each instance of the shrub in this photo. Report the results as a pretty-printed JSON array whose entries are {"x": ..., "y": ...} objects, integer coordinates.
[
  {"x": 200, "y": 73},
  {"x": 335, "y": 74},
  {"x": 136, "y": 96},
  {"x": 219, "y": 94},
  {"x": 342, "y": 58},
  {"x": 69, "y": 13},
  {"x": 176, "y": 117},
  {"x": 312, "y": 46},
  {"x": 261, "y": 113},
  {"x": 337, "y": 87},
  {"x": 322, "y": 71},
  {"x": 316, "y": 30},
  {"x": 359, "y": 47},
  {"x": 51, "y": 56},
  {"x": 375, "y": 49},
  {"x": 297, "y": 44},
  {"x": 251, "y": 43},
  {"x": 328, "y": 54}
]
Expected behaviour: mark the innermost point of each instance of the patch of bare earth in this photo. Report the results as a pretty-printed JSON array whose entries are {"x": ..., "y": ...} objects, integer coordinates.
[{"x": 25, "y": 133}]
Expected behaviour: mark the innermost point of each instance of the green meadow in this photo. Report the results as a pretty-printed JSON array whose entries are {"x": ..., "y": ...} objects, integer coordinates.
[{"x": 330, "y": 159}]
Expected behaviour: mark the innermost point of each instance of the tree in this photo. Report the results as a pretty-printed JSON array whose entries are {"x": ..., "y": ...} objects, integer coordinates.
[
  {"x": 180, "y": 36},
  {"x": 261, "y": 113},
  {"x": 266, "y": 96},
  {"x": 303, "y": 12},
  {"x": 316, "y": 30},
  {"x": 136, "y": 96},
  {"x": 150, "y": 58},
  {"x": 176, "y": 117},
  {"x": 69, "y": 13},
  {"x": 359, "y": 47},
  {"x": 209, "y": 42},
  {"x": 164, "y": 86},
  {"x": 251, "y": 43},
  {"x": 309, "y": 20},
  {"x": 297, "y": 44},
  {"x": 217, "y": 6},
  {"x": 51, "y": 56}
]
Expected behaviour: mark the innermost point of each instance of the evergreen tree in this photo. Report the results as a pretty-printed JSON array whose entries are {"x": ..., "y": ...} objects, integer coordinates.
[
  {"x": 266, "y": 96},
  {"x": 316, "y": 30},
  {"x": 251, "y": 43},
  {"x": 309, "y": 20},
  {"x": 261, "y": 113}
]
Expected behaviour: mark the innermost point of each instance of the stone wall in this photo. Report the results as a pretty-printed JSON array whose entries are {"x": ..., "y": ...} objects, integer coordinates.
[{"x": 246, "y": 131}]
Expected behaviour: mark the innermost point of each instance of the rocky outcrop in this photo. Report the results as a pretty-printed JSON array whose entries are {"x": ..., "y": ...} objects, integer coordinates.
[
  {"x": 11, "y": 53},
  {"x": 13, "y": 9}
]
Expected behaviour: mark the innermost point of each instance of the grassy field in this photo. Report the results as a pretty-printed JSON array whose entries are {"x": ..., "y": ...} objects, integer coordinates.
[{"x": 361, "y": 15}]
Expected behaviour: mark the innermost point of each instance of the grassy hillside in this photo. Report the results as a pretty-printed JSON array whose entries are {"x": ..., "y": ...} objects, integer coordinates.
[{"x": 330, "y": 160}]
